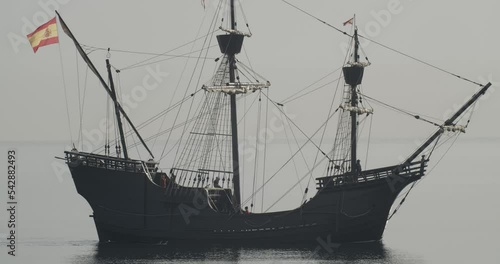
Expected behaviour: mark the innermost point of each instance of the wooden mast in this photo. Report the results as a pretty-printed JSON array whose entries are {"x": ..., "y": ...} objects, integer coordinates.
[
  {"x": 354, "y": 104},
  {"x": 234, "y": 119},
  {"x": 117, "y": 110},
  {"x": 353, "y": 75}
]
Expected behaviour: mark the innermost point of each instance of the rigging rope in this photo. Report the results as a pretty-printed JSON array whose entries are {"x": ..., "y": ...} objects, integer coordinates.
[
  {"x": 250, "y": 70},
  {"x": 401, "y": 202},
  {"x": 421, "y": 61},
  {"x": 244, "y": 16},
  {"x": 434, "y": 147},
  {"x": 118, "y": 146},
  {"x": 106, "y": 139},
  {"x": 265, "y": 151},
  {"x": 156, "y": 117},
  {"x": 248, "y": 59},
  {"x": 212, "y": 25},
  {"x": 293, "y": 156},
  {"x": 184, "y": 55},
  {"x": 118, "y": 91},
  {"x": 156, "y": 55},
  {"x": 135, "y": 143},
  {"x": 244, "y": 147},
  {"x": 346, "y": 58},
  {"x": 303, "y": 158},
  {"x": 311, "y": 15},
  {"x": 369, "y": 139},
  {"x": 171, "y": 99},
  {"x": 65, "y": 93},
  {"x": 83, "y": 106},
  {"x": 256, "y": 158},
  {"x": 418, "y": 117},
  {"x": 287, "y": 100},
  {"x": 385, "y": 46},
  {"x": 79, "y": 93},
  {"x": 310, "y": 92},
  {"x": 291, "y": 153},
  {"x": 416, "y": 183},
  {"x": 295, "y": 185},
  {"x": 93, "y": 48},
  {"x": 309, "y": 139},
  {"x": 473, "y": 108}
]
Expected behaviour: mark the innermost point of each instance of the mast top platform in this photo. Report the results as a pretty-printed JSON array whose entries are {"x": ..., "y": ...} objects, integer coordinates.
[{"x": 230, "y": 43}]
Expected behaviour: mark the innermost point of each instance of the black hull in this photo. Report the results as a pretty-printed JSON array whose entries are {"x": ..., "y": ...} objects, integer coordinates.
[{"x": 128, "y": 207}]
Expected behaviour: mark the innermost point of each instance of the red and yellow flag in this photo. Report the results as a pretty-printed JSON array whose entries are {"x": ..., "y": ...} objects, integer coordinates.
[
  {"x": 44, "y": 35},
  {"x": 349, "y": 21}
]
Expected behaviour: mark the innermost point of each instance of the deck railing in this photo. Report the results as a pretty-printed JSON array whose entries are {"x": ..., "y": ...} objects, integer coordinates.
[
  {"x": 106, "y": 162},
  {"x": 414, "y": 169}
]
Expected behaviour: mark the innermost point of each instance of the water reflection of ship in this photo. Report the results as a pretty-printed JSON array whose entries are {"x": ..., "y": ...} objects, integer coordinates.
[{"x": 127, "y": 253}]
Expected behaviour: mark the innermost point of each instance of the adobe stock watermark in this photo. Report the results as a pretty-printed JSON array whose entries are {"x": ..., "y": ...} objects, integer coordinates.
[
  {"x": 96, "y": 137},
  {"x": 380, "y": 20},
  {"x": 44, "y": 14},
  {"x": 267, "y": 134},
  {"x": 325, "y": 245},
  {"x": 200, "y": 202}
]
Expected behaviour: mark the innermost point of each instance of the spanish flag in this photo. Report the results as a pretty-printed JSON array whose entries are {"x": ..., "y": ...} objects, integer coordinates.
[
  {"x": 44, "y": 35},
  {"x": 349, "y": 21}
]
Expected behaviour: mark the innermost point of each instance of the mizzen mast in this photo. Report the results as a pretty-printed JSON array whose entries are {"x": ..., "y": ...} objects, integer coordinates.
[
  {"x": 101, "y": 80},
  {"x": 117, "y": 112}
]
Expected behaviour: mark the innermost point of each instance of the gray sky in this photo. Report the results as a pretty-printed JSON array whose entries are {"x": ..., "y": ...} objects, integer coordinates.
[{"x": 288, "y": 48}]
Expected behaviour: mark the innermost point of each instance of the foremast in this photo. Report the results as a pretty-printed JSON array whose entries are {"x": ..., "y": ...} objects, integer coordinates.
[
  {"x": 354, "y": 105},
  {"x": 344, "y": 153}
]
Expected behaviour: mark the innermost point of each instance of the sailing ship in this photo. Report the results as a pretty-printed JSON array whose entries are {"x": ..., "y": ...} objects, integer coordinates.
[{"x": 199, "y": 198}]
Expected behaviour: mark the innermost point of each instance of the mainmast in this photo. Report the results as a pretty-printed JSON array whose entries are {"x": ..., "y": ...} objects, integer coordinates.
[
  {"x": 215, "y": 131},
  {"x": 231, "y": 49}
]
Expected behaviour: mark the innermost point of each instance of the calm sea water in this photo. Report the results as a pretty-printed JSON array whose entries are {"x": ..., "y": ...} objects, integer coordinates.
[{"x": 452, "y": 216}]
